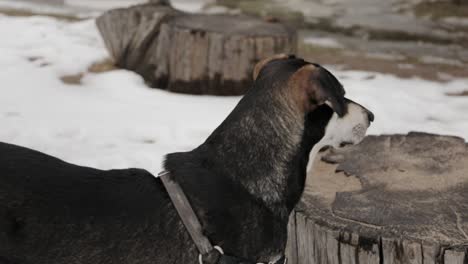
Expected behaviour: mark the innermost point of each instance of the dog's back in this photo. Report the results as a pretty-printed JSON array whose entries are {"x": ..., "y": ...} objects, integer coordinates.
[
  {"x": 48, "y": 204},
  {"x": 242, "y": 182}
]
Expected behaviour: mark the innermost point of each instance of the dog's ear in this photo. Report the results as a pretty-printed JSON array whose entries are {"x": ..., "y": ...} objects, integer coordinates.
[
  {"x": 259, "y": 66},
  {"x": 315, "y": 85}
]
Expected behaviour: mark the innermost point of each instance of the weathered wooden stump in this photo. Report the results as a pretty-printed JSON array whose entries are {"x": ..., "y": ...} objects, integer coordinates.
[
  {"x": 160, "y": 2},
  {"x": 192, "y": 53},
  {"x": 129, "y": 34},
  {"x": 391, "y": 199}
]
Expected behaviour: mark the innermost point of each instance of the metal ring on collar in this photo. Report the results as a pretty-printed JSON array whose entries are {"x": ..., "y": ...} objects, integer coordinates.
[{"x": 220, "y": 250}]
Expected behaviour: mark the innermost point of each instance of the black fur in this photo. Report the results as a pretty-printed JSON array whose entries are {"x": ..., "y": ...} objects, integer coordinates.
[{"x": 53, "y": 212}]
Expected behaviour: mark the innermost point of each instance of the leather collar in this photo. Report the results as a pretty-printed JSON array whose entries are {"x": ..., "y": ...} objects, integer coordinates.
[{"x": 209, "y": 254}]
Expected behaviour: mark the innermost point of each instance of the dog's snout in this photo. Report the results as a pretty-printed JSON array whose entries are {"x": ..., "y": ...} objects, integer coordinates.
[{"x": 370, "y": 116}]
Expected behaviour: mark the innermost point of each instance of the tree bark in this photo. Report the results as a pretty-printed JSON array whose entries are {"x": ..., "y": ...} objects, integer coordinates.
[
  {"x": 192, "y": 53},
  {"x": 391, "y": 199},
  {"x": 160, "y": 2}
]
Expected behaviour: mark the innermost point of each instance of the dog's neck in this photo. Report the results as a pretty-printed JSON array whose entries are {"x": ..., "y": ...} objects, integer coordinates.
[{"x": 263, "y": 149}]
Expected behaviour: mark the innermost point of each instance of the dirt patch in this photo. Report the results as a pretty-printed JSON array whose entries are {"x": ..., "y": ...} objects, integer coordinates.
[
  {"x": 401, "y": 67},
  {"x": 463, "y": 93},
  {"x": 39, "y": 61},
  {"x": 28, "y": 13},
  {"x": 97, "y": 67},
  {"x": 266, "y": 10},
  {"x": 73, "y": 79},
  {"x": 34, "y": 58},
  {"x": 102, "y": 66},
  {"x": 440, "y": 9}
]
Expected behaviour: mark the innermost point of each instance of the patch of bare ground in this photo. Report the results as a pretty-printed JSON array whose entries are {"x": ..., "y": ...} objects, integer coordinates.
[
  {"x": 401, "y": 67},
  {"x": 441, "y": 9},
  {"x": 102, "y": 66},
  {"x": 39, "y": 61},
  {"x": 265, "y": 9},
  {"x": 105, "y": 65},
  {"x": 463, "y": 93},
  {"x": 27, "y": 13},
  {"x": 72, "y": 79}
]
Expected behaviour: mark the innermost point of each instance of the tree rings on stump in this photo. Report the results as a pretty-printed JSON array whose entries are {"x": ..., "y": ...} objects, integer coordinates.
[{"x": 390, "y": 199}]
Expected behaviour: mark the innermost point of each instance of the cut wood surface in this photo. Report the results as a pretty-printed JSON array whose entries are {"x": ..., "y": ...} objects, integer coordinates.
[
  {"x": 192, "y": 53},
  {"x": 391, "y": 199}
]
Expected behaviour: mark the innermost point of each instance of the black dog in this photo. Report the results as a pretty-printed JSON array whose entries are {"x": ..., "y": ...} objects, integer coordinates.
[{"x": 242, "y": 182}]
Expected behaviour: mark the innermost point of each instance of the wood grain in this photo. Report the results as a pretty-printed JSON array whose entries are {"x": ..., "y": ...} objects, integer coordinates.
[
  {"x": 400, "y": 199},
  {"x": 192, "y": 53}
]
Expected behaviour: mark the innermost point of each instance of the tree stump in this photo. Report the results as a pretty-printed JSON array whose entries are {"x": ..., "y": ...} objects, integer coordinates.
[
  {"x": 160, "y": 2},
  {"x": 130, "y": 33},
  {"x": 192, "y": 53},
  {"x": 391, "y": 199}
]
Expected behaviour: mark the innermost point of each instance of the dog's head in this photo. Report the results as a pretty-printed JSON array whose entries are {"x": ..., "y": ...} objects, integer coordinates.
[{"x": 319, "y": 96}]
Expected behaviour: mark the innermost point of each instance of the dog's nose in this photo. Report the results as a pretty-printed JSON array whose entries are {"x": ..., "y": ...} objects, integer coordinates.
[{"x": 370, "y": 116}]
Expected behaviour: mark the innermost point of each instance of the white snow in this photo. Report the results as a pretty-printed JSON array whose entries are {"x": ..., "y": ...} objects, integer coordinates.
[
  {"x": 112, "y": 120},
  {"x": 185, "y": 5},
  {"x": 92, "y": 8},
  {"x": 103, "y": 4},
  {"x": 49, "y": 9},
  {"x": 192, "y": 6},
  {"x": 439, "y": 60},
  {"x": 456, "y": 21},
  {"x": 323, "y": 42}
]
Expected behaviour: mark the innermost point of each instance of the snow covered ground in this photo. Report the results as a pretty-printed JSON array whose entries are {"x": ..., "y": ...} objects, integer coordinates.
[
  {"x": 185, "y": 5},
  {"x": 91, "y": 8},
  {"x": 112, "y": 120}
]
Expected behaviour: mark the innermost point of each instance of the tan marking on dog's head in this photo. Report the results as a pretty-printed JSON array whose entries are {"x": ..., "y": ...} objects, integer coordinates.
[
  {"x": 259, "y": 66},
  {"x": 312, "y": 86},
  {"x": 306, "y": 92}
]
